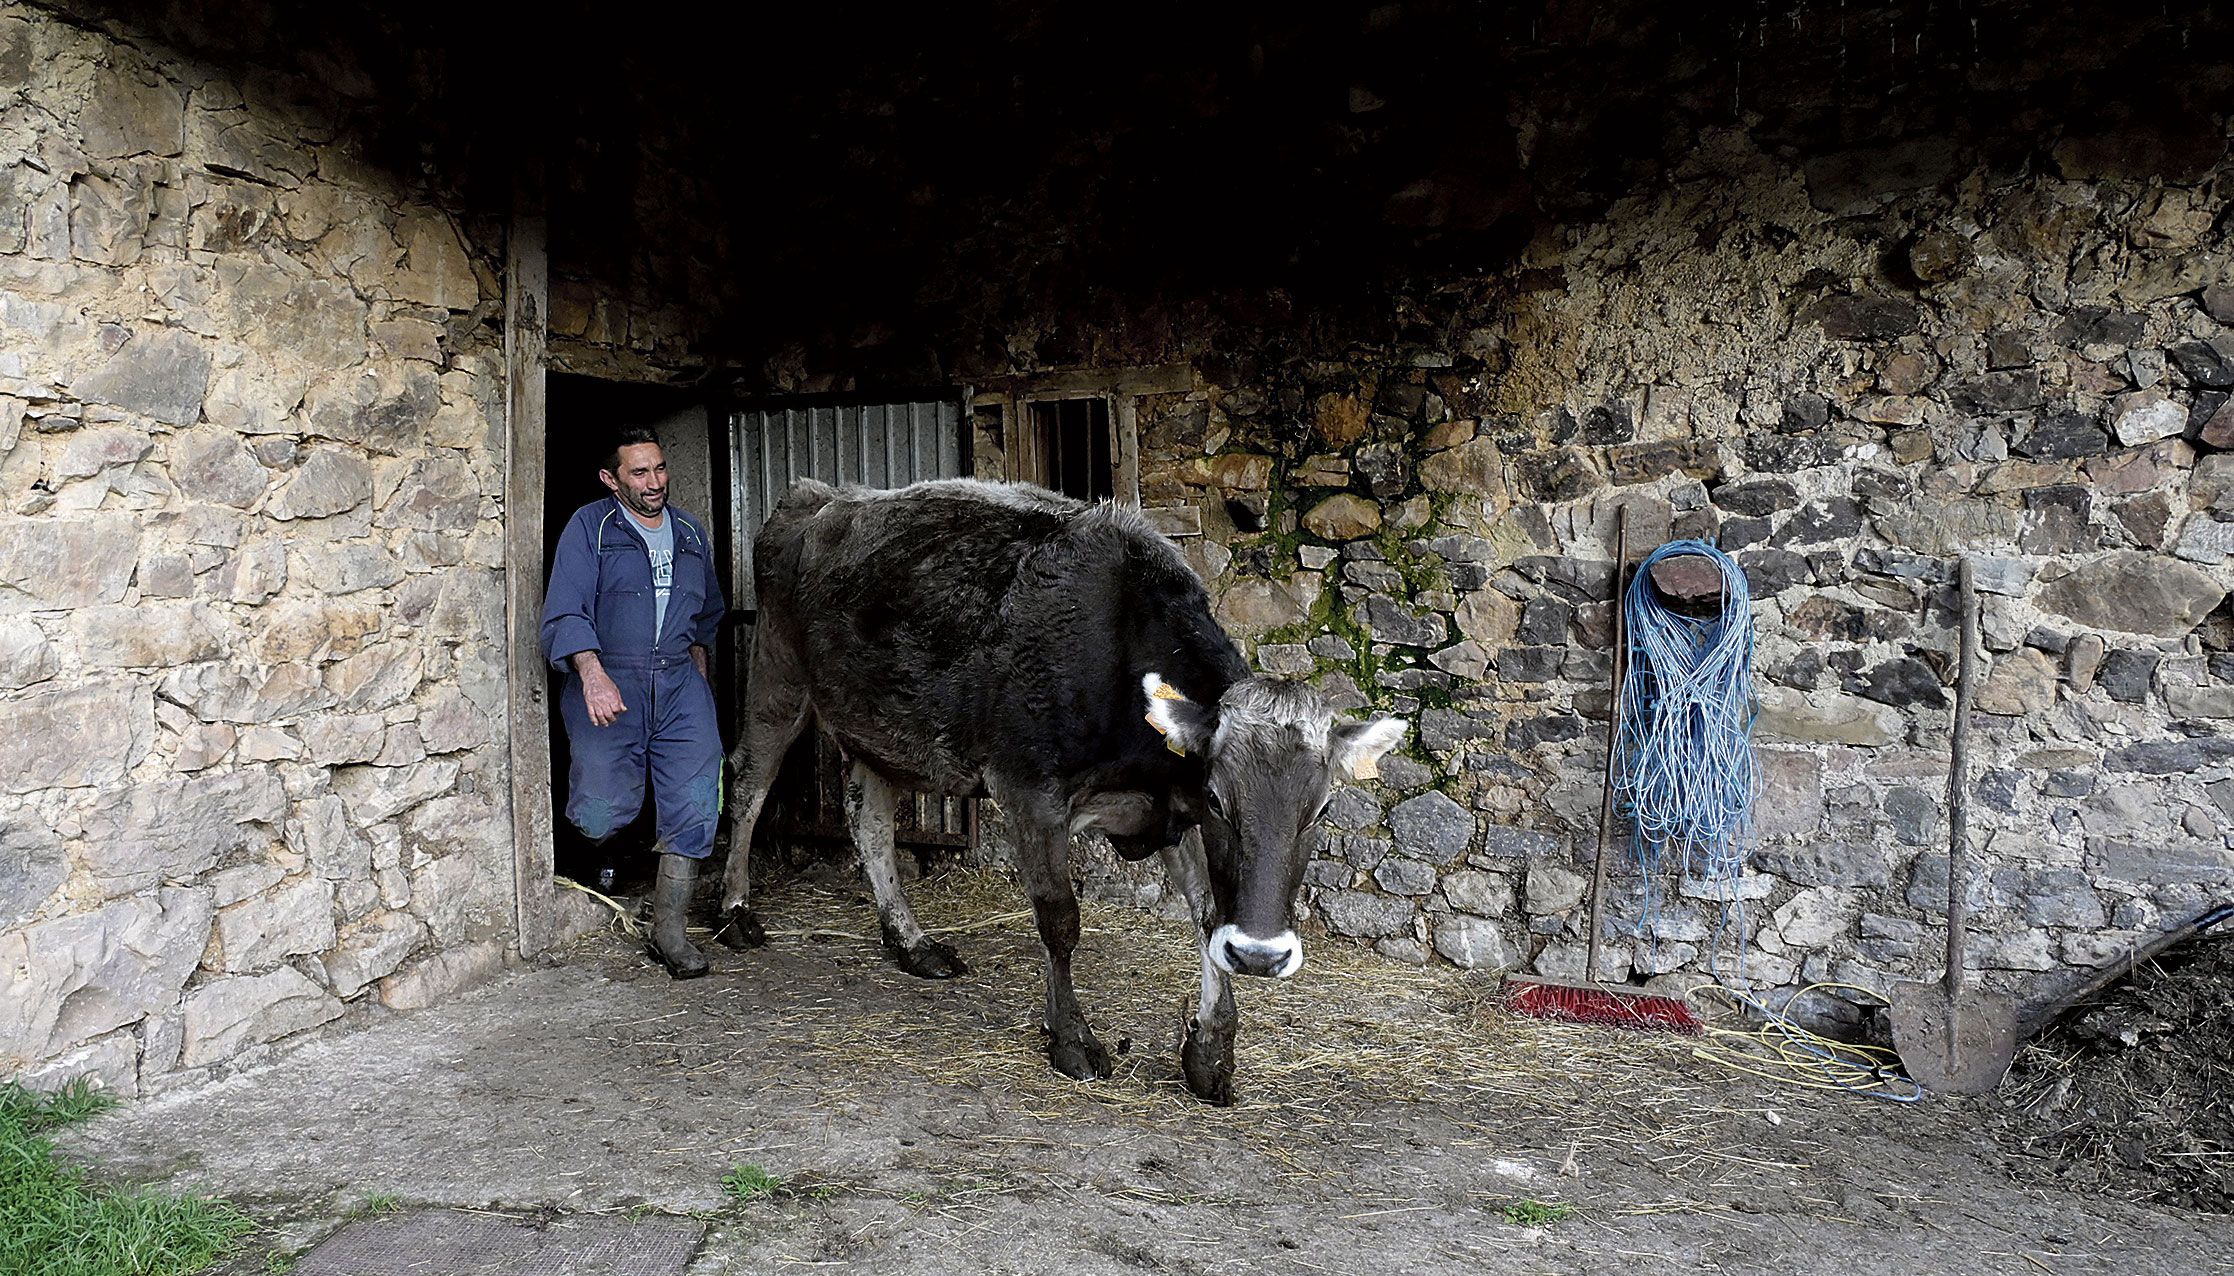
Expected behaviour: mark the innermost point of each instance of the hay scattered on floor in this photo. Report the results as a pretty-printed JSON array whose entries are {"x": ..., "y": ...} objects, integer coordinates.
[{"x": 1352, "y": 1031}]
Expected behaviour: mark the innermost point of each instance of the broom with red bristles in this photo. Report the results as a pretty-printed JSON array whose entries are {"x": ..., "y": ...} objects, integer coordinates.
[{"x": 1588, "y": 1001}]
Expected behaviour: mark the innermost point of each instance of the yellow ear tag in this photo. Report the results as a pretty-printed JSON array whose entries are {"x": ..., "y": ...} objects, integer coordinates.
[
  {"x": 1370, "y": 769},
  {"x": 1164, "y": 691},
  {"x": 1169, "y": 743}
]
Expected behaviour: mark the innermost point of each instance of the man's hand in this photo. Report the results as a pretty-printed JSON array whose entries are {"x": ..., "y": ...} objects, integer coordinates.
[
  {"x": 698, "y": 657},
  {"x": 599, "y": 695}
]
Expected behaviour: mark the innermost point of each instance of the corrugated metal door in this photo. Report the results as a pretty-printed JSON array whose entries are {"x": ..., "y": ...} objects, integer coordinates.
[{"x": 867, "y": 445}]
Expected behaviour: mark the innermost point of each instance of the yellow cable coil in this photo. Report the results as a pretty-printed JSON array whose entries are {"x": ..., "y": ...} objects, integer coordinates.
[{"x": 1788, "y": 1054}]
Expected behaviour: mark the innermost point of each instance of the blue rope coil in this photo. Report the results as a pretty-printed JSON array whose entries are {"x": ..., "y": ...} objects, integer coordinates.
[{"x": 1684, "y": 773}]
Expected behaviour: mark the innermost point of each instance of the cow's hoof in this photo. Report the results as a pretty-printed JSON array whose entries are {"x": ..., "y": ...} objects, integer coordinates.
[
  {"x": 1207, "y": 1063},
  {"x": 1081, "y": 1059},
  {"x": 930, "y": 960},
  {"x": 740, "y": 929}
]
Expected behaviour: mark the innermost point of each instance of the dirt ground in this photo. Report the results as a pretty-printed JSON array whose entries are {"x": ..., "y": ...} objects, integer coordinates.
[
  {"x": 1387, "y": 1120},
  {"x": 2133, "y": 1094}
]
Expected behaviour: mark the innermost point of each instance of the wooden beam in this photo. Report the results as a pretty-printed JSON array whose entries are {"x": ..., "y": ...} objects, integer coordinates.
[
  {"x": 1020, "y": 444},
  {"x": 527, "y": 296},
  {"x": 1124, "y": 428},
  {"x": 1167, "y": 378}
]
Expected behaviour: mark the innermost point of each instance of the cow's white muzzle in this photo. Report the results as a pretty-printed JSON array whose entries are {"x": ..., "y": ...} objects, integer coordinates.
[{"x": 1237, "y": 953}]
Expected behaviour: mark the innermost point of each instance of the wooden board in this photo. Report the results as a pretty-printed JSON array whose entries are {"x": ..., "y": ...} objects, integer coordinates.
[{"x": 527, "y": 295}]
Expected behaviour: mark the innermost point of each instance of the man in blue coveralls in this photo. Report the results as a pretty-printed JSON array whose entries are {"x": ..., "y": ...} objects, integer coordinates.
[{"x": 630, "y": 616}]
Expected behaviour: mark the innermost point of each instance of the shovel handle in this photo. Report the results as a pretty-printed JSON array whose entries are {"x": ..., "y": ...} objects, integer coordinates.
[{"x": 1958, "y": 775}]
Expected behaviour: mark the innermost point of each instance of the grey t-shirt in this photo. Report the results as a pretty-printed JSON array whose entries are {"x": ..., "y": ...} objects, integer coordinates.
[{"x": 660, "y": 541}]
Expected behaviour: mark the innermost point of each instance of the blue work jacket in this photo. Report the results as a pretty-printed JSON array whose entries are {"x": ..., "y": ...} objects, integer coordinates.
[{"x": 601, "y": 594}]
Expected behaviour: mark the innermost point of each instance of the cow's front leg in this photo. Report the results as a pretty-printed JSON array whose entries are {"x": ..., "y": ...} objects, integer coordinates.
[
  {"x": 1206, "y": 1057},
  {"x": 1043, "y": 855},
  {"x": 869, "y": 804},
  {"x": 1206, "y": 1053}
]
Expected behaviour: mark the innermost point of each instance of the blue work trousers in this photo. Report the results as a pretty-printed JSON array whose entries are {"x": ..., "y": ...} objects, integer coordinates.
[{"x": 669, "y": 732}]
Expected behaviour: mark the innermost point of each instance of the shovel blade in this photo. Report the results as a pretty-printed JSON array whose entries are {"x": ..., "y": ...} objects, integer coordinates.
[{"x": 1958, "y": 1045}]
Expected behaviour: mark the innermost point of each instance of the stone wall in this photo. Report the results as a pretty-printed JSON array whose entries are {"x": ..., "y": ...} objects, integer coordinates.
[
  {"x": 1846, "y": 375},
  {"x": 628, "y": 305},
  {"x": 251, "y": 606}
]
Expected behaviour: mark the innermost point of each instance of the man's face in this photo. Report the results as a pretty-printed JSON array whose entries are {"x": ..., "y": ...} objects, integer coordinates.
[{"x": 641, "y": 483}]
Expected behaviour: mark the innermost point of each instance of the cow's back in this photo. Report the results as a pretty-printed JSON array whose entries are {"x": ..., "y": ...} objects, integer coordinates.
[{"x": 959, "y": 624}]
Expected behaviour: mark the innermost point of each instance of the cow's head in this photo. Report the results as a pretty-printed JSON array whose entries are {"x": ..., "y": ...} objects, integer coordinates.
[{"x": 1273, "y": 752}]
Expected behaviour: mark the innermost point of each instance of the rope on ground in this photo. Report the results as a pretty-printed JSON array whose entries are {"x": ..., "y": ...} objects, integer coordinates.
[
  {"x": 1782, "y": 1051},
  {"x": 620, "y": 911}
]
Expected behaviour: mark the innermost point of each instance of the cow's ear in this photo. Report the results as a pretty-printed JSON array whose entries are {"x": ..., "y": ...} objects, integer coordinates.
[
  {"x": 1358, "y": 746},
  {"x": 1185, "y": 726}
]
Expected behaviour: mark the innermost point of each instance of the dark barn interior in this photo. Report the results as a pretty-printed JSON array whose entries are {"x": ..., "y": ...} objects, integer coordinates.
[{"x": 894, "y": 191}]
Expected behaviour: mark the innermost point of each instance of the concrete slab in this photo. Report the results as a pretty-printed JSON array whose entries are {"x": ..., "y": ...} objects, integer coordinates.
[
  {"x": 455, "y": 1243},
  {"x": 916, "y": 1128}
]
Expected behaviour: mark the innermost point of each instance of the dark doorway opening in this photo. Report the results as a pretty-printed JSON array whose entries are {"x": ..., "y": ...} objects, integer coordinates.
[
  {"x": 1074, "y": 440},
  {"x": 582, "y": 414}
]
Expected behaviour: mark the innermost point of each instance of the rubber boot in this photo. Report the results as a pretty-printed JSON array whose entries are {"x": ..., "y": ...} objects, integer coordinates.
[{"x": 670, "y": 943}]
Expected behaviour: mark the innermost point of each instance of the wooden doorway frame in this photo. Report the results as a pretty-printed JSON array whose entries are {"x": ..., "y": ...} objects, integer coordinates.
[
  {"x": 1121, "y": 388},
  {"x": 527, "y": 332}
]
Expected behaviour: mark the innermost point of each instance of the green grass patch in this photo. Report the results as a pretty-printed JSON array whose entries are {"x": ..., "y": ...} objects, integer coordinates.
[
  {"x": 376, "y": 1204},
  {"x": 749, "y": 1183},
  {"x": 1537, "y": 1213},
  {"x": 53, "y": 1223},
  {"x": 35, "y": 1112}
]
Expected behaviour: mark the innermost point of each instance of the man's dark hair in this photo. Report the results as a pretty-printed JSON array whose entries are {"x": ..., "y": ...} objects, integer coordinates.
[{"x": 624, "y": 437}]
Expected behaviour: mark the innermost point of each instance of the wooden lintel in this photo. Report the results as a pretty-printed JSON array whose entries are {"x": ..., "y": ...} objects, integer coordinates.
[{"x": 1167, "y": 378}]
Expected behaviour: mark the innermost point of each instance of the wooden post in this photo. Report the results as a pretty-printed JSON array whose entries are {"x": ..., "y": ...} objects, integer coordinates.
[
  {"x": 1958, "y": 784},
  {"x": 1613, "y": 746},
  {"x": 1124, "y": 425},
  {"x": 527, "y": 294}
]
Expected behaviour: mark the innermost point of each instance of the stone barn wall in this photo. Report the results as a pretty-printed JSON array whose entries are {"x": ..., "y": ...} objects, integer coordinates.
[
  {"x": 251, "y": 607},
  {"x": 1730, "y": 358},
  {"x": 1845, "y": 379}
]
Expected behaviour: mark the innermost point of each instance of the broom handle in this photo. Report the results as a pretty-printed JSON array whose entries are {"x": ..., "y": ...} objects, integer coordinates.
[
  {"x": 1613, "y": 730},
  {"x": 1958, "y": 769}
]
